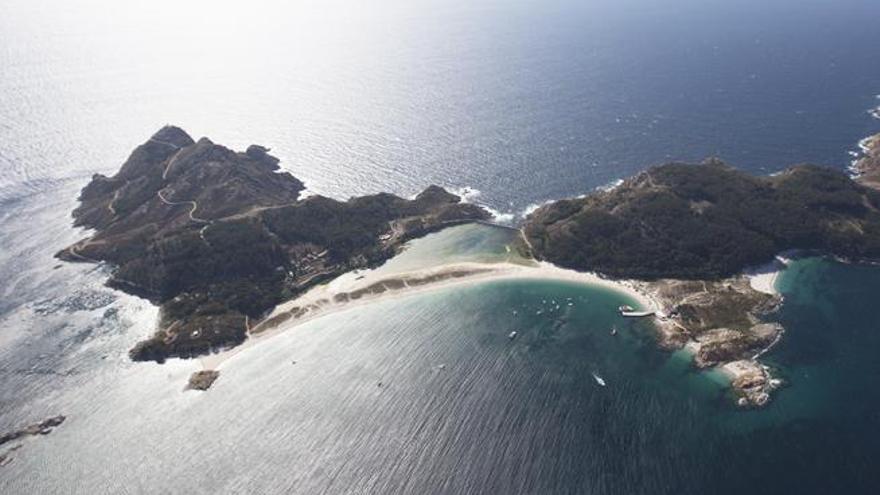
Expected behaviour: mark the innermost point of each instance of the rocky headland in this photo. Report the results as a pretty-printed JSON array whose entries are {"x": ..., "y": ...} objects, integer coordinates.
[
  {"x": 685, "y": 234},
  {"x": 867, "y": 166},
  {"x": 217, "y": 238}
]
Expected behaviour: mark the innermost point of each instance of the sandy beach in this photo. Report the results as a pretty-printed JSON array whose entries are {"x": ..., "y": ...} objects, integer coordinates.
[
  {"x": 362, "y": 287},
  {"x": 763, "y": 278}
]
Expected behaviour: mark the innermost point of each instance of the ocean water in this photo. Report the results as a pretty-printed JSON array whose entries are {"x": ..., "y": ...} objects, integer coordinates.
[{"x": 519, "y": 101}]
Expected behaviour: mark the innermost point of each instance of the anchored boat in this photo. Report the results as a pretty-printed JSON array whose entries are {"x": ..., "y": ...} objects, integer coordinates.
[{"x": 630, "y": 312}]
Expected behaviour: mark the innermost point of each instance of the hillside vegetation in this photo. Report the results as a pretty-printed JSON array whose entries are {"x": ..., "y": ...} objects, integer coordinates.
[{"x": 707, "y": 221}]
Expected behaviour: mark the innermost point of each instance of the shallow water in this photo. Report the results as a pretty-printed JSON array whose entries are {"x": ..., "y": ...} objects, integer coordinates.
[{"x": 473, "y": 243}]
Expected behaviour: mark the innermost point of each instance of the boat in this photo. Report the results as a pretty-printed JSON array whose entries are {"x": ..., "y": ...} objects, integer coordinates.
[
  {"x": 636, "y": 314},
  {"x": 630, "y": 312},
  {"x": 598, "y": 379},
  {"x": 512, "y": 335},
  {"x": 613, "y": 330}
]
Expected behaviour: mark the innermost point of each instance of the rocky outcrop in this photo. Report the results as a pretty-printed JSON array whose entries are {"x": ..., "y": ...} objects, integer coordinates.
[
  {"x": 37, "y": 429},
  {"x": 721, "y": 322},
  {"x": 42, "y": 428},
  {"x": 217, "y": 237},
  {"x": 867, "y": 166},
  {"x": 752, "y": 381},
  {"x": 202, "y": 380},
  {"x": 724, "y": 345}
]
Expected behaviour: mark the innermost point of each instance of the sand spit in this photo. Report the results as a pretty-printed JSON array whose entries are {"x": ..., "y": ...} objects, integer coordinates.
[
  {"x": 735, "y": 353},
  {"x": 369, "y": 286}
]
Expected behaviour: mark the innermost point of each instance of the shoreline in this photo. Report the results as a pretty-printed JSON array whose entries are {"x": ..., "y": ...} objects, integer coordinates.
[
  {"x": 753, "y": 380},
  {"x": 372, "y": 286}
]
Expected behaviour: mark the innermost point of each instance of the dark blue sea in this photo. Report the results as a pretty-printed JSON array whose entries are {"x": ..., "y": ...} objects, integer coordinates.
[{"x": 509, "y": 102}]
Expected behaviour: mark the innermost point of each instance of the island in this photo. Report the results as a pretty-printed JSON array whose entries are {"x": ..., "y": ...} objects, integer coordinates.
[
  {"x": 217, "y": 238},
  {"x": 229, "y": 247}
]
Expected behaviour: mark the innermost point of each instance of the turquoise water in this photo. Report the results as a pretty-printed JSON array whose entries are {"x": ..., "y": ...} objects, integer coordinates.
[
  {"x": 821, "y": 434},
  {"x": 472, "y": 243}
]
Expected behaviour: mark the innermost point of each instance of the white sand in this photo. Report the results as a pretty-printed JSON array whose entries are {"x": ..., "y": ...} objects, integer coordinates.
[
  {"x": 763, "y": 278},
  {"x": 320, "y": 298}
]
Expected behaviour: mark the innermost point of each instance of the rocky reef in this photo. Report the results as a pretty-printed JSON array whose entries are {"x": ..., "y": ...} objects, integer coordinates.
[
  {"x": 217, "y": 237},
  {"x": 685, "y": 233},
  {"x": 42, "y": 428}
]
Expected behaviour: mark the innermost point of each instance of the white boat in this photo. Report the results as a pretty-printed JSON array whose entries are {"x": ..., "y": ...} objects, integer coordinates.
[
  {"x": 636, "y": 314},
  {"x": 512, "y": 335},
  {"x": 613, "y": 330},
  {"x": 598, "y": 379}
]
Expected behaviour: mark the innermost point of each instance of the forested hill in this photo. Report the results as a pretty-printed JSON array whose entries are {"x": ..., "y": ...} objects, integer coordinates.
[{"x": 707, "y": 221}]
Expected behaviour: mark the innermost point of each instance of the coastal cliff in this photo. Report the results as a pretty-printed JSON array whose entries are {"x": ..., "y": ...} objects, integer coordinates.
[
  {"x": 217, "y": 238},
  {"x": 686, "y": 233}
]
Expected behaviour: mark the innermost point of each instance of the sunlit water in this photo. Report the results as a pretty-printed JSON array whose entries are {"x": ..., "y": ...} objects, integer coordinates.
[{"x": 523, "y": 101}]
